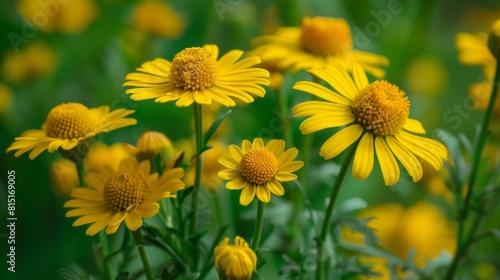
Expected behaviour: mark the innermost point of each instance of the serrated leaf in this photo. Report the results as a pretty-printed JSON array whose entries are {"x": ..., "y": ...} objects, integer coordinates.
[
  {"x": 261, "y": 263},
  {"x": 213, "y": 127}
]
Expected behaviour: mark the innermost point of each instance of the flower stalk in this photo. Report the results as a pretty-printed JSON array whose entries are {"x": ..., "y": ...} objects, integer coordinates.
[
  {"x": 327, "y": 222},
  {"x": 463, "y": 243},
  {"x": 139, "y": 241},
  {"x": 197, "y": 112},
  {"x": 259, "y": 222}
]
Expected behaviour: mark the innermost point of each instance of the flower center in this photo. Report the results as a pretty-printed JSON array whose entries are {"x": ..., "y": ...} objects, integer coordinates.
[
  {"x": 125, "y": 190},
  {"x": 325, "y": 36},
  {"x": 68, "y": 121},
  {"x": 381, "y": 108},
  {"x": 259, "y": 166},
  {"x": 194, "y": 69}
]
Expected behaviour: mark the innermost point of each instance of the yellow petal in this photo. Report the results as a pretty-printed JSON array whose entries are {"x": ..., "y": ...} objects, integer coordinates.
[
  {"x": 287, "y": 156},
  {"x": 257, "y": 143},
  {"x": 340, "y": 141},
  {"x": 247, "y": 194},
  {"x": 236, "y": 152},
  {"x": 363, "y": 159},
  {"x": 321, "y": 92},
  {"x": 237, "y": 184},
  {"x": 133, "y": 221},
  {"x": 359, "y": 77},
  {"x": 229, "y": 174},
  {"x": 290, "y": 166},
  {"x": 285, "y": 176},
  {"x": 263, "y": 194},
  {"x": 387, "y": 162},
  {"x": 276, "y": 147},
  {"x": 415, "y": 126},
  {"x": 407, "y": 159},
  {"x": 229, "y": 162},
  {"x": 275, "y": 188}
]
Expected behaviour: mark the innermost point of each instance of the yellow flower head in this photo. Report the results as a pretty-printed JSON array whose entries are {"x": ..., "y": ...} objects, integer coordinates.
[
  {"x": 67, "y": 125},
  {"x": 61, "y": 16},
  {"x": 63, "y": 176},
  {"x": 195, "y": 75},
  {"x": 5, "y": 98},
  {"x": 30, "y": 63},
  {"x": 150, "y": 144},
  {"x": 422, "y": 227},
  {"x": 129, "y": 194},
  {"x": 235, "y": 262},
  {"x": 473, "y": 50},
  {"x": 317, "y": 42},
  {"x": 157, "y": 17},
  {"x": 258, "y": 169},
  {"x": 376, "y": 114}
]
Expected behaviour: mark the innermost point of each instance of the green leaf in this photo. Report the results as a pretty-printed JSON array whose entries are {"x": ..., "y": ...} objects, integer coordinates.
[
  {"x": 351, "y": 205},
  {"x": 496, "y": 233},
  {"x": 358, "y": 225},
  {"x": 213, "y": 128}
]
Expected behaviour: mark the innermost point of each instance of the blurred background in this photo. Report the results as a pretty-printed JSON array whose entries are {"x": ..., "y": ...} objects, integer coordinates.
[{"x": 53, "y": 52}]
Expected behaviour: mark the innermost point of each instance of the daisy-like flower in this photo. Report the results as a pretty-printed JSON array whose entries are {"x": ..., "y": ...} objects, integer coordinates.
[
  {"x": 151, "y": 144},
  {"x": 196, "y": 75},
  {"x": 376, "y": 114},
  {"x": 68, "y": 125},
  {"x": 319, "y": 41},
  {"x": 235, "y": 262},
  {"x": 129, "y": 194},
  {"x": 259, "y": 169}
]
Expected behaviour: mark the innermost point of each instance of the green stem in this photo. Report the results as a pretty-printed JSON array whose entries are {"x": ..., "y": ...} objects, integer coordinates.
[
  {"x": 258, "y": 226},
  {"x": 282, "y": 104},
  {"x": 139, "y": 241},
  {"x": 464, "y": 243},
  {"x": 82, "y": 171},
  {"x": 197, "y": 110},
  {"x": 327, "y": 222}
]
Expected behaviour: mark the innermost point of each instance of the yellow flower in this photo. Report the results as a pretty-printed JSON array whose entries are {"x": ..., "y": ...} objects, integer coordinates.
[
  {"x": 195, "y": 75},
  {"x": 29, "y": 63},
  {"x": 427, "y": 75},
  {"x": 317, "y": 42},
  {"x": 258, "y": 169},
  {"x": 158, "y": 18},
  {"x": 422, "y": 227},
  {"x": 376, "y": 114},
  {"x": 235, "y": 262},
  {"x": 64, "y": 16},
  {"x": 128, "y": 195},
  {"x": 68, "y": 125},
  {"x": 150, "y": 144},
  {"x": 64, "y": 175},
  {"x": 473, "y": 50}
]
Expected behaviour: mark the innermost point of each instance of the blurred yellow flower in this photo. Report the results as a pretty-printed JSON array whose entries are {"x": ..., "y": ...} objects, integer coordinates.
[
  {"x": 128, "y": 195},
  {"x": 195, "y": 75},
  {"x": 494, "y": 40},
  {"x": 5, "y": 98},
  {"x": 427, "y": 75},
  {"x": 319, "y": 41},
  {"x": 30, "y": 63},
  {"x": 63, "y": 172},
  {"x": 67, "y": 125},
  {"x": 473, "y": 50},
  {"x": 259, "y": 169},
  {"x": 235, "y": 262},
  {"x": 376, "y": 115},
  {"x": 422, "y": 227},
  {"x": 63, "y": 16},
  {"x": 64, "y": 177},
  {"x": 158, "y": 18}
]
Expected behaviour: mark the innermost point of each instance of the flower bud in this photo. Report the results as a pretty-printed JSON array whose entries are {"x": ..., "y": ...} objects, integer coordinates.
[{"x": 235, "y": 262}]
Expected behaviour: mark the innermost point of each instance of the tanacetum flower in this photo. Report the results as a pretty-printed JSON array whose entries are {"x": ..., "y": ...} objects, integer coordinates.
[
  {"x": 195, "y": 75},
  {"x": 317, "y": 42},
  {"x": 235, "y": 262},
  {"x": 150, "y": 144},
  {"x": 376, "y": 114},
  {"x": 67, "y": 125},
  {"x": 258, "y": 169},
  {"x": 158, "y": 18},
  {"x": 129, "y": 194}
]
